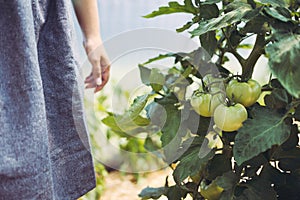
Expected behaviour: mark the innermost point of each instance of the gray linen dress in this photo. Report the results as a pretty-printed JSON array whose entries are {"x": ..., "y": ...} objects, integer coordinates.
[{"x": 44, "y": 148}]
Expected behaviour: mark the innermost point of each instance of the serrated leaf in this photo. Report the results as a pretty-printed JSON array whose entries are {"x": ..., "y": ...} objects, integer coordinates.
[
  {"x": 159, "y": 57},
  {"x": 239, "y": 10},
  {"x": 284, "y": 59},
  {"x": 174, "y": 7},
  {"x": 271, "y": 2},
  {"x": 185, "y": 27},
  {"x": 267, "y": 128},
  {"x": 191, "y": 163},
  {"x": 154, "y": 193}
]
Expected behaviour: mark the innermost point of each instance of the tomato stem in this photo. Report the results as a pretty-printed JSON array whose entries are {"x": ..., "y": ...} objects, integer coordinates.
[{"x": 257, "y": 51}]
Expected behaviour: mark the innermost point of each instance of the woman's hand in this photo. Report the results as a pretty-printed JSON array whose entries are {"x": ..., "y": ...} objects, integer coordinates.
[
  {"x": 88, "y": 18},
  {"x": 100, "y": 64}
]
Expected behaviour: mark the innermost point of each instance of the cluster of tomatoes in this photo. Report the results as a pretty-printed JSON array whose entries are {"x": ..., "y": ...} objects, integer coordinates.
[{"x": 225, "y": 101}]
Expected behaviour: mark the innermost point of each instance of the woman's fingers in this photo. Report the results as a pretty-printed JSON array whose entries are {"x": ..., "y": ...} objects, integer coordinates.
[
  {"x": 100, "y": 69},
  {"x": 105, "y": 78},
  {"x": 96, "y": 71},
  {"x": 89, "y": 78}
]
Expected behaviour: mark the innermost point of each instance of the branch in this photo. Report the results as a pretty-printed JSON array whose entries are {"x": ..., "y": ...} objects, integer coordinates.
[
  {"x": 257, "y": 51},
  {"x": 241, "y": 60},
  {"x": 233, "y": 51}
]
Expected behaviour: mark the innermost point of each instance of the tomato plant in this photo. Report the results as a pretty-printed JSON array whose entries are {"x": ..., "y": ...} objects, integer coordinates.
[{"x": 260, "y": 154}]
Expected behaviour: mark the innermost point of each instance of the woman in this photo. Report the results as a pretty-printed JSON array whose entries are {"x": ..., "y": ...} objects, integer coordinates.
[{"x": 44, "y": 149}]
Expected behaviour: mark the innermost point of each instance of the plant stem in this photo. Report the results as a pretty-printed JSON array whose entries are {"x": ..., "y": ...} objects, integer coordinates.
[
  {"x": 257, "y": 51},
  {"x": 233, "y": 51}
]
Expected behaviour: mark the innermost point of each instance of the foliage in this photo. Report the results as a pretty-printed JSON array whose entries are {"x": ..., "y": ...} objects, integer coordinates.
[{"x": 259, "y": 160}]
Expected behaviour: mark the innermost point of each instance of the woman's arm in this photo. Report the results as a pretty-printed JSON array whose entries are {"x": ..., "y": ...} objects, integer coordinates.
[{"x": 87, "y": 15}]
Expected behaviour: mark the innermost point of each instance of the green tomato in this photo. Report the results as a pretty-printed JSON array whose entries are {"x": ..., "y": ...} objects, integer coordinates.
[
  {"x": 211, "y": 191},
  {"x": 205, "y": 104},
  {"x": 245, "y": 93},
  {"x": 230, "y": 118}
]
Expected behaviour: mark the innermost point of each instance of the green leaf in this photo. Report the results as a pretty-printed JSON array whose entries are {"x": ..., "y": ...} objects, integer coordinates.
[
  {"x": 279, "y": 98},
  {"x": 284, "y": 59},
  {"x": 159, "y": 57},
  {"x": 208, "y": 11},
  {"x": 152, "y": 147},
  {"x": 209, "y": 42},
  {"x": 297, "y": 113},
  {"x": 210, "y": 2},
  {"x": 293, "y": 140},
  {"x": 152, "y": 77},
  {"x": 267, "y": 128},
  {"x": 190, "y": 164},
  {"x": 157, "y": 79},
  {"x": 125, "y": 128},
  {"x": 275, "y": 13},
  {"x": 255, "y": 25},
  {"x": 176, "y": 193},
  {"x": 145, "y": 74},
  {"x": 173, "y": 129},
  {"x": 136, "y": 107},
  {"x": 154, "y": 193},
  {"x": 228, "y": 182},
  {"x": 239, "y": 10},
  {"x": 217, "y": 166},
  {"x": 185, "y": 27},
  {"x": 259, "y": 189},
  {"x": 174, "y": 7},
  {"x": 131, "y": 119},
  {"x": 201, "y": 60},
  {"x": 271, "y": 2},
  {"x": 198, "y": 124}
]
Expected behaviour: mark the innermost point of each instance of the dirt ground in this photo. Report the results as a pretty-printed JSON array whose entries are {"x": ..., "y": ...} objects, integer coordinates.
[{"x": 123, "y": 187}]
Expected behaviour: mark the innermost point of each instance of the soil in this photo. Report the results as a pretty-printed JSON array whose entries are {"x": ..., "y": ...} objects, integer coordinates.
[{"x": 125, "y": 187}]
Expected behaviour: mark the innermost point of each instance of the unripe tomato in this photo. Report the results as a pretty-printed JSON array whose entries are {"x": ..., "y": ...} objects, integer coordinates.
[
  {"x": 230, "y": 118},
  {"x": 245, "y": 93},
  {"x": 211, "y": 191},
  {"x": 205, "y": 104}
]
